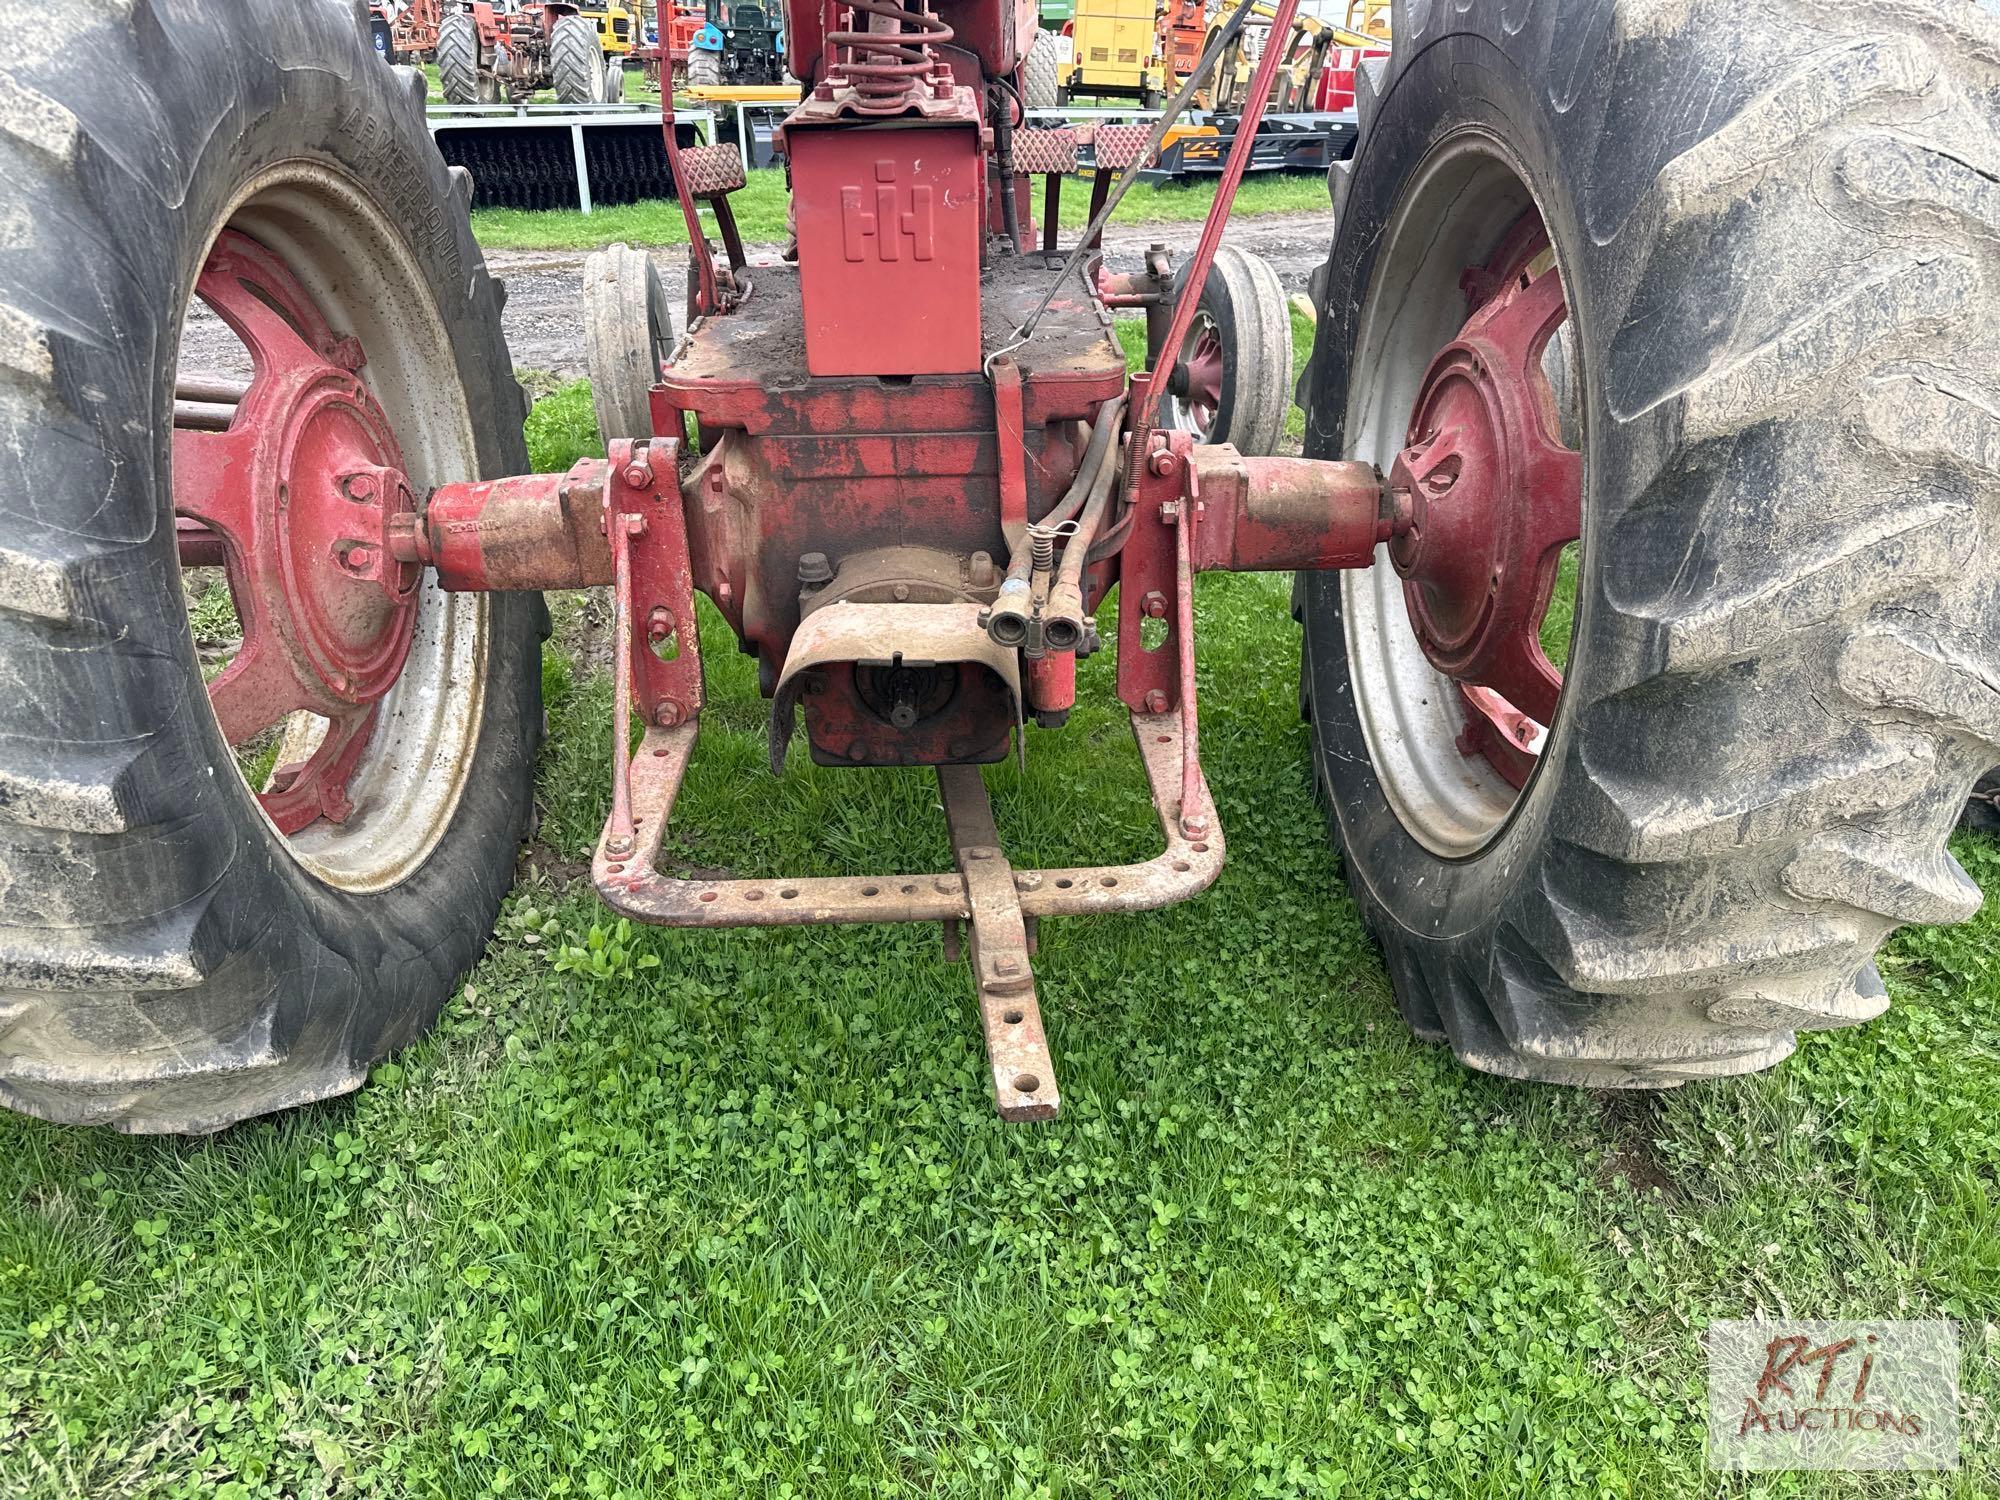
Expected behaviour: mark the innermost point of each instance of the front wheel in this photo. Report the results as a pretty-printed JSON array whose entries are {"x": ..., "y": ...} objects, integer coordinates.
[
  {"x": 260, "y": 786},
  {"x": 1652, "y": 725},
  {"x": 1230, "y": 381}
]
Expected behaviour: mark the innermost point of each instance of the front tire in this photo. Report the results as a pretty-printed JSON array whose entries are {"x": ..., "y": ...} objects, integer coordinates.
[
  {"x": 1230, "y": 381},
  {"x": 170, "y": 960},
  {"x": 1778, "y": 688},
  {"x": 628, "y": 335}
]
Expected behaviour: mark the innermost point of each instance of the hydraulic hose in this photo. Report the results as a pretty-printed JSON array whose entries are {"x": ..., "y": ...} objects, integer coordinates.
[{"x": 1008, "y": 620}]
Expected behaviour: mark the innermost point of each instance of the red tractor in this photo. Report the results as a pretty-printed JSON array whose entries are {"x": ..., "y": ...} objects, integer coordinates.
[
  {"x": 405, "y": 31},
  {"x": 489, "y": 50},
  {"x": 1684, "y": 318}
]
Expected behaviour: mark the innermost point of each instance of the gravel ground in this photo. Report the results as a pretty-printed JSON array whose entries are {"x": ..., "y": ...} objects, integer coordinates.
[
  {"x": 544, "y": 314},
  {"x": 545, "y": 304}
]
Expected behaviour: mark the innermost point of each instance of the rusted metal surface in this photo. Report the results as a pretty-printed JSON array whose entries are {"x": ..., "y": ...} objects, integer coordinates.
[
  {"x": 644, "y": 483},
  {"x": 1194, "y": 823},
  {"x": 704, "y": 296},
  {"x": 888, "y": 69},
  {"x": 629, "y": 883},
  {"x": 618, "y": 833},
  {"x": 295, "y": 496},
  {"x": 1148, "y": 676},
  {"x": 1492, "y": 497},
  {"x": 1017, "y": 1048},
  {"x": 898, "y": 684},
  {"x": 535, "y": 531},
  {"x": 1284, "y": 514},
  {"x": 1012, "y": 448},
  {"x": 845, "y": 466}
]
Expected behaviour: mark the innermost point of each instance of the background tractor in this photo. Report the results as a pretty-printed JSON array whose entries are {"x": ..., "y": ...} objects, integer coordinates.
[
  {"x": 405, "y": 31},
  {"x": 490, "y": 50},
  {"x": 739, "y": 44},
  {"x": 1641, "y": 543}
]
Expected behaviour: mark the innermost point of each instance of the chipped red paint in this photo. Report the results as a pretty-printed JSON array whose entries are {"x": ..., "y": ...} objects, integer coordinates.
[
  {"x": 296, "y": 495},
  {"x": 1493, "y": 496}
]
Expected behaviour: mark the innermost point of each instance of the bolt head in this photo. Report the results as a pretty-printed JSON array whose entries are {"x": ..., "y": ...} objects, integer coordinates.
[
  {"x": 618, "y": 845},
  {"x": 1156, "y": 702}
]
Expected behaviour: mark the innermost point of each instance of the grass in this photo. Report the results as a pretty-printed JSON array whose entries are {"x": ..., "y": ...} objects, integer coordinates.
[
  {"x": 726, "y": 1214},
  {"x": 760, "y": 212}
]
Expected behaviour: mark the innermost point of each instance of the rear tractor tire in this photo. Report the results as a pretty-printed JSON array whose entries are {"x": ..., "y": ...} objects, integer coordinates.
[
  {"x": 225, "y": 895},
  {"x": 576, "y": 61},
  {"x": 1715, "y": 341},
  {"x": 704, "y": 68},
  {"x": 460, "y": 77}
]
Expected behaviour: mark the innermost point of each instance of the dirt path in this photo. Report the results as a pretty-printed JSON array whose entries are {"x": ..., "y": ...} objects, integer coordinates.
[{"x": 545, "y": 308}]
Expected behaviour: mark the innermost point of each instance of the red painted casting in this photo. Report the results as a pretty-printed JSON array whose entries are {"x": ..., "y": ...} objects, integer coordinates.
[
  {"x": 1198, "y": 381},
  {"x": 1491, "y": 496},
  {"x": 298, "y": 495}
]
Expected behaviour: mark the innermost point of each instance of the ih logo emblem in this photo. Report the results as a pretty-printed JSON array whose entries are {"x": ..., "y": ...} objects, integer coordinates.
[{"x": 877, "y": 216}]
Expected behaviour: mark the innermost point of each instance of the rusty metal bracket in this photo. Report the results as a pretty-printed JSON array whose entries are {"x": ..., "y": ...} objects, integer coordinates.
[
  {"x": 977, "y": 892},
  {"x": 629, "y": 883},
  {"x": 1017, "y": 1048}
]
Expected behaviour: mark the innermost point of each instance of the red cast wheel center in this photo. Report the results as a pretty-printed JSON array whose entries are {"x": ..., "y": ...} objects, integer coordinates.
[
  {"x": 1203, "y": 364},
  {"x": 1493, "y": 498},
  {"x": 292, "y": 492}
]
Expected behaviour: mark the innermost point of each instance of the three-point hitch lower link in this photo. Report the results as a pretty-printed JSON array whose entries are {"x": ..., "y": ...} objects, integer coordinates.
[{"x": 622, "y": 521}]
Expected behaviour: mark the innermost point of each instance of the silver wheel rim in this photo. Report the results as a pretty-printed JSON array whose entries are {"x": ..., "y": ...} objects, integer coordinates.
[
  {"x": 1451, "y": 216},
  {"x": 408, "y": 781}
]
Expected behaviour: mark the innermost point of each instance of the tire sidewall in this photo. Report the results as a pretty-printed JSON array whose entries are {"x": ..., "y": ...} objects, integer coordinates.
[
  {"x": 1461, "y": 86},
  {"x": 269, "y": 911}
]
